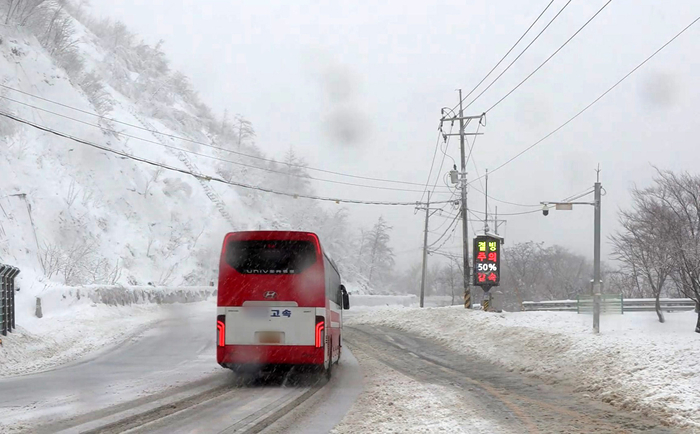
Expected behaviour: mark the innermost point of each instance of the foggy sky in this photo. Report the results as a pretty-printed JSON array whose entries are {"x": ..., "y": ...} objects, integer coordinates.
[{"x": 357, "y": 87}]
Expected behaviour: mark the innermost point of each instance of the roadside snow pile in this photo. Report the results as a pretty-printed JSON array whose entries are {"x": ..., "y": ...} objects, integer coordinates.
[
  {"x": 80, "y": 320},
  {"x": 357, "y": 300},
  {"x": 636, "y": 363},
  {"x": 69, "y": 334}
]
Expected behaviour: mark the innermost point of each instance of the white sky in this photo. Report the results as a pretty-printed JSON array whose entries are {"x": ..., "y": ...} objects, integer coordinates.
[{"x": 388, "y": 67}]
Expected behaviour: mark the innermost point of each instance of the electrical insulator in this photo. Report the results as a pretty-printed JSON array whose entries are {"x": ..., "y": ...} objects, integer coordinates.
[{"x": 454, "y": 177}]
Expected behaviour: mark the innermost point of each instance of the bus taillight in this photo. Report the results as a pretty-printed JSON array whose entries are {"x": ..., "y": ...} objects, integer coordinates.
[
  {"x": 221, "y": 330},
  {"x": 319, "y": 331}
]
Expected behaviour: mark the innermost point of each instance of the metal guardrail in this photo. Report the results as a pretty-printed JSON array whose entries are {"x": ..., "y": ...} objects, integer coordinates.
[
  {"x": 7, "y": 298},
  {"x": 628, "y": 305}
]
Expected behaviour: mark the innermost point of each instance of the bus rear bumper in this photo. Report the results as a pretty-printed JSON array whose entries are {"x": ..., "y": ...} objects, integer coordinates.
[{"x": 258, "y": 355}]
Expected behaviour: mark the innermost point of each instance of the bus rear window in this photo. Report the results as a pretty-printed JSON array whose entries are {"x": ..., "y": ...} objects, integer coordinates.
[{"x": 270, "y": 257}]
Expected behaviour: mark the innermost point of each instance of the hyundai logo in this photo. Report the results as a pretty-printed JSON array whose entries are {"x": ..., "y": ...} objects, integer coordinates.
[{"x": 270, "y": 294}]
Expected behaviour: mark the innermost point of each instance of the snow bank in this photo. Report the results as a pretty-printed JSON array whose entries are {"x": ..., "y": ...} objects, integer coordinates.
[
  {"x": 408, "y": 300},
  {"x": 357, "y": 300},
  {"x": 69, "y": 334},
  {"x": 636, "y": 363},
  {"x": 78, "y": 321}
]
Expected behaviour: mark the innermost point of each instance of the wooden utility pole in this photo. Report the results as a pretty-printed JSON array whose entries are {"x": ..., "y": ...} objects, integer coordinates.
[{"x": 463, "y": 183}]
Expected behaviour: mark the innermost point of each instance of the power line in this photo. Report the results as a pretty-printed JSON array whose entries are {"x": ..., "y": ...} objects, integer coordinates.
[
  {"x": 442, "y": 163},
  {"x": 157, "y": 143},
  {"x": 507, "y": 53},
  {"x": 451, "y": 228},
  {"x": 571, "y": 119},
  {"x": 505, "y": 201},
  {"x": 510, "y": 213},
  {"x": 471, "y": 148},
  {"x": 199, "y": 175},
  {"x": 519, "y": 55},
  {"x": 269, "y": 160},
  {"x": 553, "y": 54},
  {"x": 427, "y": 181}
]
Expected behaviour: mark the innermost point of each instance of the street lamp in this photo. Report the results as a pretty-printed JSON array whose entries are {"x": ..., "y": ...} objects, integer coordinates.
[{"x": 568, "y": 206}]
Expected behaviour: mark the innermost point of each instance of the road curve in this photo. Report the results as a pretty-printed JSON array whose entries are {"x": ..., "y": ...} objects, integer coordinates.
[{"x": 163, "y": 380}]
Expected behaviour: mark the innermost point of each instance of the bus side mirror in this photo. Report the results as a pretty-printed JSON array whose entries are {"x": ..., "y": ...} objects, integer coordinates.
[{"x": 346, "y": 297}]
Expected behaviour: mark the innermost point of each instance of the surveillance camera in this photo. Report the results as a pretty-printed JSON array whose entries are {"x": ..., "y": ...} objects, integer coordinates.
[{"x": 545, "y": 211}]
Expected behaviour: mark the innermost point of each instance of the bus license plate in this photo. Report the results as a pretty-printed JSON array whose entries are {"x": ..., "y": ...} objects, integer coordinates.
[{"x": 269, "y": 337}]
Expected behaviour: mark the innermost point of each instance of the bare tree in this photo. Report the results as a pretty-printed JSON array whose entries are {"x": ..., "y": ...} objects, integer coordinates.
[
  {"x": 150, "y": 181},
  {"x": 677, "y": 199},
  {"x": 451, "y": 278},
  {"x": 643, "y": 244},
  {"x": 20, "y": 11}
]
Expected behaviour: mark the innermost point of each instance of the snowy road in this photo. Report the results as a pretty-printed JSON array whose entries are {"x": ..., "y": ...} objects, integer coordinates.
[
  {"x": 457, "y": 393},
  {"x": 166, "y": 380}
]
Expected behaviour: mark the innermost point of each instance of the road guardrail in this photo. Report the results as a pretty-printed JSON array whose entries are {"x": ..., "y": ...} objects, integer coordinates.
[
  {"x": 628, "y": 305},
  {"x": 7, "y": 298}
]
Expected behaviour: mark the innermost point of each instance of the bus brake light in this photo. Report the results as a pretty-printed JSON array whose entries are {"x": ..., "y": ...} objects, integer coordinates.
[
  {"x": 221, "y": 330},
  {"x": 319, "y": 332}
]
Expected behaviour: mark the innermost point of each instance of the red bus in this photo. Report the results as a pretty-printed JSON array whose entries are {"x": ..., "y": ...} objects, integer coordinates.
[{"x": 279, "y": 304}]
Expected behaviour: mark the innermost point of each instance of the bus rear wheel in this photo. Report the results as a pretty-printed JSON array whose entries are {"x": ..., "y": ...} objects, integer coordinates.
[{"x": 329, "y": 371}]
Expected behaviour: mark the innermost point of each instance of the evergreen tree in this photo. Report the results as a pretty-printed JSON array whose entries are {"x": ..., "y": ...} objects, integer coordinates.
[{"x": 381, "y": 256}]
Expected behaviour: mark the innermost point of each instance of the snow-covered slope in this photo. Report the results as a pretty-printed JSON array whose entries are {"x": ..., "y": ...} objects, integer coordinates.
[{"x": 74, "y": 214}]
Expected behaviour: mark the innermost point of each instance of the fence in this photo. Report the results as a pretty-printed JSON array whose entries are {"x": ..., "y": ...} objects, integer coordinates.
[
  {"x": 613, "y": 305},
  {"x": 7, "y": 298}
]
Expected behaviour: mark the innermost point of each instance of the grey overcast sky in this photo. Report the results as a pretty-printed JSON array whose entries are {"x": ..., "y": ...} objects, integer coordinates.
[{"x": 357, "y": 87}]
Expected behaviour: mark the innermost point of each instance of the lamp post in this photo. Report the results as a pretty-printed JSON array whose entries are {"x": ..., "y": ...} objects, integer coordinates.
[{"x": 596, "y": 283}]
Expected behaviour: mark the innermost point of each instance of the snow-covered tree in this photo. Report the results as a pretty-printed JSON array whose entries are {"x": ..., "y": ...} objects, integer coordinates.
[{"x": 380, "y": 256}]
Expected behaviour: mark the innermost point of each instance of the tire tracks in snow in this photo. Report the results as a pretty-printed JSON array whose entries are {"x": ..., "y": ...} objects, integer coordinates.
[
  {"x": 166, "y": 410},
  {"x": 539, "y": 408}
]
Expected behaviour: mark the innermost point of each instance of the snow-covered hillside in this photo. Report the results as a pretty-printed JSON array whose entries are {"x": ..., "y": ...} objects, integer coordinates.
[{"x": 72, "y": 214}]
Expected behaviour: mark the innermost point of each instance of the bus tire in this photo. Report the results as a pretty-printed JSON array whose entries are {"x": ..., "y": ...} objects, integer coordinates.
[{"x": 329, "y": 371}]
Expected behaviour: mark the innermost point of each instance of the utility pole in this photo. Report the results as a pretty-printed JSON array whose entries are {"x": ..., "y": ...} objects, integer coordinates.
[
  {"x": 463, "y": 179},
  {"x": 597, "y": 284},
  {"x": 465, "y": 216},
  {"x": 425, "y": 245},
  {"x": 495, "y": 220},
  {"x": 425, "y": 252},
  {"x": 486, "y": 205}
]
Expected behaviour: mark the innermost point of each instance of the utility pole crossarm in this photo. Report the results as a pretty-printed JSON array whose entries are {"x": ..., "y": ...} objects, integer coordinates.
[{"x": 462, "y": 118}]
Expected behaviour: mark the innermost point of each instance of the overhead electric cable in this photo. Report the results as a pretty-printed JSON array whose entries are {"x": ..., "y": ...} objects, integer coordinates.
[
  {"x": 211, "y": 157},
  {"x": 452, "y": 227},
  {"x": 507, "y": 53},
  {"x": 549, "y": 58},
  {"x": 519, "y": 55},
  {"x": 446, "y": 238},
  {"x": 610, "y": 89},
  {"x": 186, "y": 139},
  {"x": 442, "y": 163},
  {"x": 199, "y": 175},
  {"x": 427, "y": 181},
  {"x": 505, "y": 201}
]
